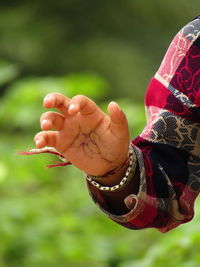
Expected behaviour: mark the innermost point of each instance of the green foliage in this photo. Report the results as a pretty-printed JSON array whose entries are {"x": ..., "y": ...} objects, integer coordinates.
[
  {"x": 122, "y": 40},
  {"x": 48, "y": 219},
  {"x": 8, "y": 72},
  {"x": 107, "y": 50},
  {"x": 24, "y": 97}
]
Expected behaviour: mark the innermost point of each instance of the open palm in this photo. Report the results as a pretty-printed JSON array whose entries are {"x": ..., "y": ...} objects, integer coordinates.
[{"x": 91, "y": 140}]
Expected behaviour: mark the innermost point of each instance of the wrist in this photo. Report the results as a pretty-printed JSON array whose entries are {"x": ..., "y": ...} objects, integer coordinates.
[
  {"x": 112, "y": 178},
  {"x": 112, "y": 172},
  {"x": 116, "y": 180}
]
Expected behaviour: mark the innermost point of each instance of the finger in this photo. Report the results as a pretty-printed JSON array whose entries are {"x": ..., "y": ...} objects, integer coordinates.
[
  {"x": 52, "y": 120},
  {"x": 46, "y": 138},
  {"x": 56, "y": 100},
  {"x": 119, "y": 123},
  {"x": 82, "y": 104}
]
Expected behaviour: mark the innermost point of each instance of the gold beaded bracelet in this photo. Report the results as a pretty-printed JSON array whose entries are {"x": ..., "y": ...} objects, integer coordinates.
[{"x": 128, "y": 175}]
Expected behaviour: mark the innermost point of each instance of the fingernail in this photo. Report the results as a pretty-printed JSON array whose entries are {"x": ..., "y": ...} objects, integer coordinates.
[
  {"x": 71, "y": 107},
  {"x": 115, "y": 103},
  {"x": 37, "y": 142},
  {"x": 43, "y": 122},
  {"x": 47, "y": 97}
]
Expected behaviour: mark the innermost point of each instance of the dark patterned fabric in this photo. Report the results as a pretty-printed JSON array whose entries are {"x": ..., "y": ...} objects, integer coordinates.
[{"x": 168, "y": 149}]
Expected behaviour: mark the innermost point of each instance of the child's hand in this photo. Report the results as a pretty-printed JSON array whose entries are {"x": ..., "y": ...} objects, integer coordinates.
[{"x": 91, "y": 140}]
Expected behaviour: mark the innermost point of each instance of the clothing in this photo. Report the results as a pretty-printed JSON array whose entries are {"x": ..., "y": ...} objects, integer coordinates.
[{"x": 168, "y": 149}]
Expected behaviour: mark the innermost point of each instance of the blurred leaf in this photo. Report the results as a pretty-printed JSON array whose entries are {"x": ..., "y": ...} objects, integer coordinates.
[
  {"x": 46, "y": 215},
  {"x": 3, "y": 171},
  {"x": 8, "y": 71},
  {"x": 89, "y": 84},
  {"x": 21, "y": 107}
]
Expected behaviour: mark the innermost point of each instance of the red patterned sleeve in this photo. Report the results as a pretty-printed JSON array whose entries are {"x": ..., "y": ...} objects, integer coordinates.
[{"x": 168, "y": 149}]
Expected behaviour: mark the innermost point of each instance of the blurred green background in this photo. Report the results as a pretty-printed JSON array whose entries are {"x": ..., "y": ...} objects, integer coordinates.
[{"x": 107, "y": 50}]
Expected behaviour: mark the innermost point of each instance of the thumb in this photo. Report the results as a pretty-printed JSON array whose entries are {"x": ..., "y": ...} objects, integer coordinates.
[{"x": 118, "y": 120}]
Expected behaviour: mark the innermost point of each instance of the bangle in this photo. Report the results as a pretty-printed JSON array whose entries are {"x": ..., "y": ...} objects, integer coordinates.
[{"x": 124, "y": 180}]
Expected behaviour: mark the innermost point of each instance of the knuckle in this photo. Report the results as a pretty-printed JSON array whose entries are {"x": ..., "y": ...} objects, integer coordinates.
[
  {"x": 79, "y": 97},
  {"x": 55, "y": 94},
  {"x": 47, "y": 114}
]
